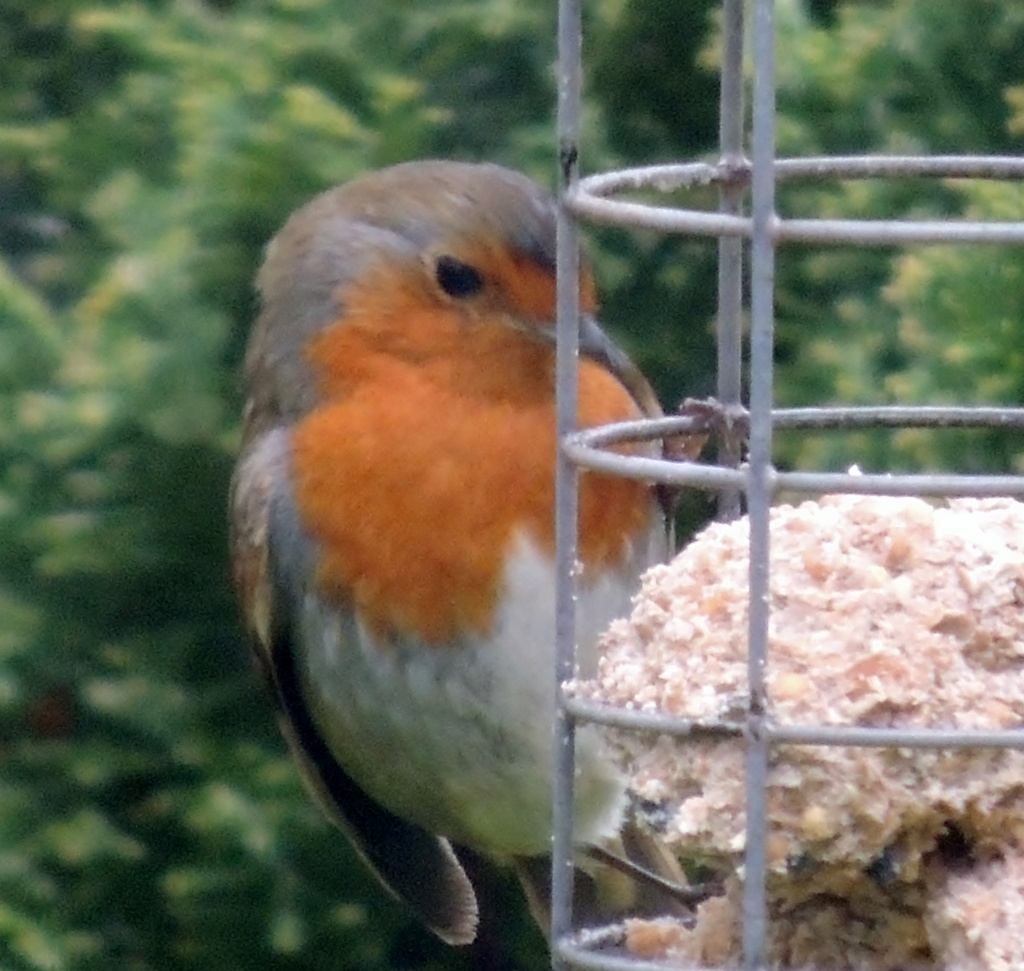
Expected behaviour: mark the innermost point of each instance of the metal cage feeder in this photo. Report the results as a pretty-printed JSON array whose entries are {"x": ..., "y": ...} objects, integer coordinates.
[{"x": 740, "y": 181}]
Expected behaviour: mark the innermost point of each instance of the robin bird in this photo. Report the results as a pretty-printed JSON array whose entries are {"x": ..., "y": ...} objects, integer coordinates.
[{"x": 393, "y": 524}]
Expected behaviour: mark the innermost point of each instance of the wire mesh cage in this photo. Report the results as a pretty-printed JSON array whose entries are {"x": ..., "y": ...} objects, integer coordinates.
[{"x": 748, "y": 227}]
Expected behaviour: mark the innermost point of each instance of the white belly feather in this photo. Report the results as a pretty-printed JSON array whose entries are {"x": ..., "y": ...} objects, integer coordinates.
[{"x": 459, "y": 738}]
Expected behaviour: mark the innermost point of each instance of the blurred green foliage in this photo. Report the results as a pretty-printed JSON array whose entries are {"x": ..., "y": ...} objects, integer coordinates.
[
  {"x": 920, "y": 325},
  {"x": 148, "y": 148}
]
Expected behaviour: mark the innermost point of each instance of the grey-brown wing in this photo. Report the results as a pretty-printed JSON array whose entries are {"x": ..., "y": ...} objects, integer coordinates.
[{"x": 417, "y": 867}]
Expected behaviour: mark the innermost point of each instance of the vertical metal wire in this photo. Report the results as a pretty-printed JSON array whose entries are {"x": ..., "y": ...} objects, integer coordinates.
[
  {"x": 730, "y": 248},
  {"x": 759, "y": 487},
  {"x": 566, "y": 492}
]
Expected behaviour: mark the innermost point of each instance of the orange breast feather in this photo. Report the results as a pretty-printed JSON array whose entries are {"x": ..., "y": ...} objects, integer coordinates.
[{"x": 420, "y": 468}]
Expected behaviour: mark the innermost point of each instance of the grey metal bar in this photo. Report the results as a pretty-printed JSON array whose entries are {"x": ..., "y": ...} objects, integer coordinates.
[
  {"x": 900, "y": 166},
  {"x": 679, "y": 726},
  {"x": 650, "y": 721},
  {"x": 586, "y": 448},
  {"x": 760, "y": 487},
  {"x": 684, "y": 175},
  {"x": 583, "y": 958},
  {"x": 665, "y": 218},
  {"x": 588, "y": 199},
  {"x": 732, "y": 194},
  {"x": 662, "y": 178},
  {"x": 566, "y": 491},
  {"x": 814, "y": 419},
  {"x": 865, "y": 232},
  {"x": 950, "y": 738},
  {"x": 929, "y": 484},
  {"x": 714, "y": 477},
  {"x": 905, "y": 416}
]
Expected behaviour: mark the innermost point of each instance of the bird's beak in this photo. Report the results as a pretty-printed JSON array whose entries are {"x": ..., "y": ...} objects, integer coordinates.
[{"x": 599, "y": 347}]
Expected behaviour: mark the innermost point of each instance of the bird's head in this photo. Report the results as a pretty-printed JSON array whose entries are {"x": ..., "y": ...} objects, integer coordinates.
[{"x": 427, "y": 262}]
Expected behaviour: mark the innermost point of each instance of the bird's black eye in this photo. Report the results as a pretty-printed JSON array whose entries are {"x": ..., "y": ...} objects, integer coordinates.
[{"x": 457, "y": 279}]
